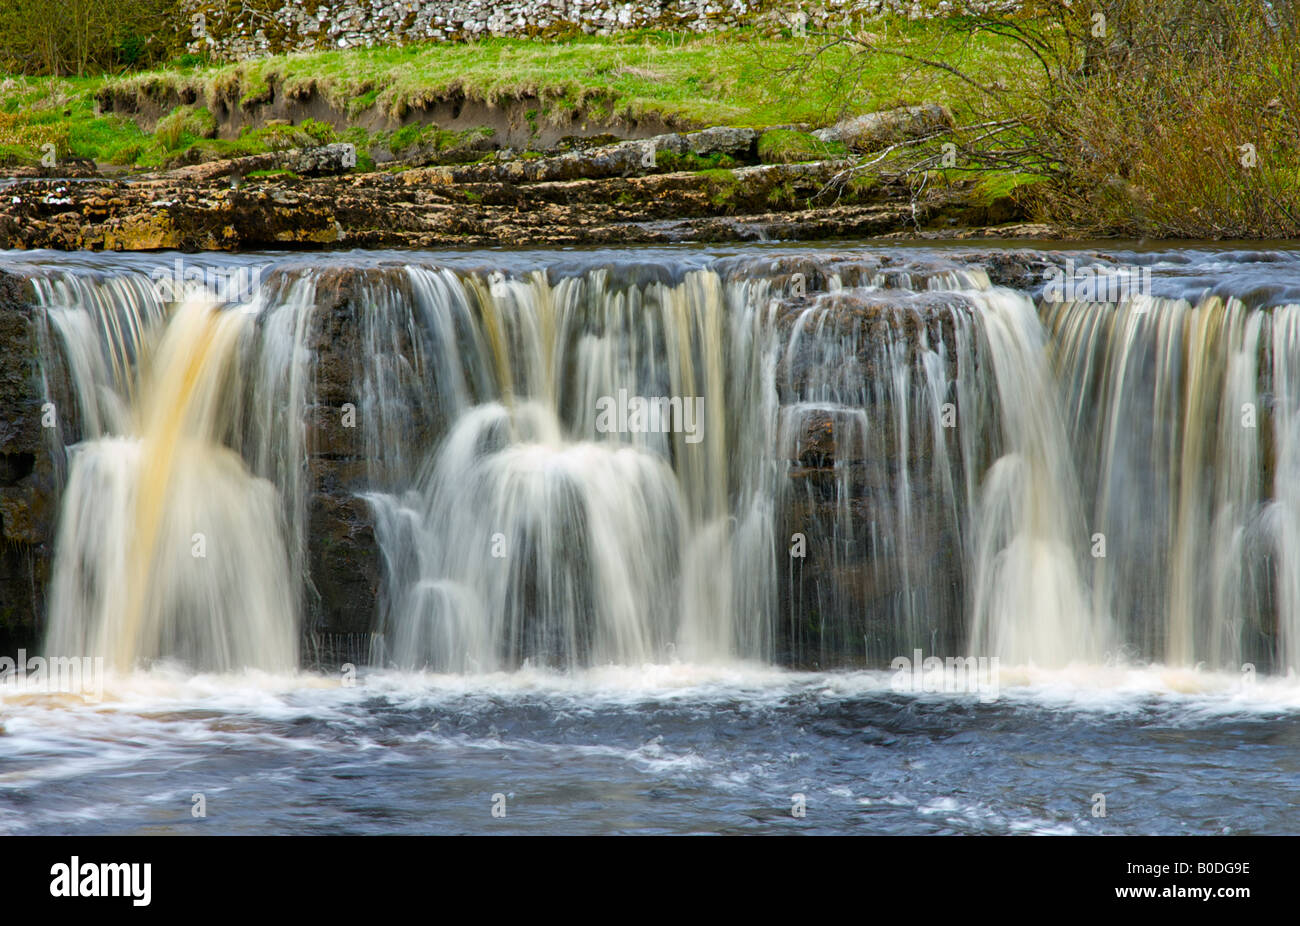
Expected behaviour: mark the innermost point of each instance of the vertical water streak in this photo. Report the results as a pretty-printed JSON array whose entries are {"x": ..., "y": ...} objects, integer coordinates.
[
  {"x": 1282, "y": 515},
  {"x": 168, "y": 548},
  {"x": 1166, "y": 422},
  {"x": 1029, "y": 603}
]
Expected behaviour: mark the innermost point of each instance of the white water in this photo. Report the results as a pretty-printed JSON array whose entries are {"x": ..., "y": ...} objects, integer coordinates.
[
  {"x": 169, "y": 547},
  {"x": 1029, "y": 602},
  {"x": 528, "y": 534},
  {"x": 515, "y": 533},
  {"x": 1172, "y": 412}
]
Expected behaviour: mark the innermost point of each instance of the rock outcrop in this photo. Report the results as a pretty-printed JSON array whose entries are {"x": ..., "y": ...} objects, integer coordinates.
[
  {"x": 615, "y": 194},
  {"x": 873, "y": 131},
  {"x": 28, "y": 490}
]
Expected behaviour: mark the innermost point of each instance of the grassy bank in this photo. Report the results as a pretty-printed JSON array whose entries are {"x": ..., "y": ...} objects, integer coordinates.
[{"x": 720, "y": 79}]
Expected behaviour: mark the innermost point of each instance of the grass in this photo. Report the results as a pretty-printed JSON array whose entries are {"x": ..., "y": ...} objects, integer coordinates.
[
  {"x": 727, "y": 78},
  {"x": 788, "y": 146},
  {"x": 720, "y": 78}
]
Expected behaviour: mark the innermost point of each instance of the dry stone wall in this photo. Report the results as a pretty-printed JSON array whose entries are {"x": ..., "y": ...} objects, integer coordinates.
[{"x": 239, "y": 29}]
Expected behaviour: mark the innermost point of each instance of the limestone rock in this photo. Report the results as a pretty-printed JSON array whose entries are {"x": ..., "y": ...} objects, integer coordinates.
[{"x": 874, "y": 131}]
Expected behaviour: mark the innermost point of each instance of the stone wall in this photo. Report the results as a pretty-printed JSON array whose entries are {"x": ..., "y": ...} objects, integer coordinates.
[{"x": 239, "y": 29}]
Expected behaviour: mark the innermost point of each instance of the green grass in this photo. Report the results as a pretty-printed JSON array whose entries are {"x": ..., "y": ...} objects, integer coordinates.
[
  {"x": 786, "y": 146},
  {"x": 721, "y": 78},
  {"x": 729, "y": 78}
]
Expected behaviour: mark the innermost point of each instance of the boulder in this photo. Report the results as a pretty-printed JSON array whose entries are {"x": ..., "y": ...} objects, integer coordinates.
[{"x": 874, "y": 131}]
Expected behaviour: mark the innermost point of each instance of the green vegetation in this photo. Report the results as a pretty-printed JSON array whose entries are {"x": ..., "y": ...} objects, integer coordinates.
[
  {"x": 185, "y": 124},
  {"x": 86, "y": 36},
  {"x": 671, "y": 160},
  {"x": 720, "y": 79},
  {"x": 787, "y": 146},
  {"x": 1164, "y": 118},
  {"x": 1198, "y": 138},
  {"x": 721, "y": 186},
  {"x": 1170, "y": 118}
]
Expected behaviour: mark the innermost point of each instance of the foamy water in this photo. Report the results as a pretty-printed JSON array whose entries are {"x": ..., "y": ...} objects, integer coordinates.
[{"x": 656, "y": 749}]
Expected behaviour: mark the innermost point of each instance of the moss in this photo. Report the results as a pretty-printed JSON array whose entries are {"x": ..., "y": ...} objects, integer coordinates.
[
  {"x": 672, "y": 161},
  {"x": 782, "y": 194},
  {"x": 722, "y": 187},
  {"x": 861, "y": 184},
  {"x": 183, "y": 126},
  {"x": 787, "y": 146}
]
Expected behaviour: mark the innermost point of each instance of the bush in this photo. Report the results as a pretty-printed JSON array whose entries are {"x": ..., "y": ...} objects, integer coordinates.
[
  {"x": 1172, "y": 118},
  {"x": 1184, "y": 123},
  {"x": 80, "y": 37}
]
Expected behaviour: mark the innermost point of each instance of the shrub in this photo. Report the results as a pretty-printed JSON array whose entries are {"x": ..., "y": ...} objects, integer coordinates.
[
  {"x": 1174, "y": 118},
  {"x": 87, "y": 36}
]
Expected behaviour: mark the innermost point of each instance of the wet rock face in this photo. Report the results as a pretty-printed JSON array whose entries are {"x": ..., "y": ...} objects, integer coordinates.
[
  {"x": 28, "y": 496},
  {"x": 343, "y": 555},
  {"x": 867, "y": 470}
]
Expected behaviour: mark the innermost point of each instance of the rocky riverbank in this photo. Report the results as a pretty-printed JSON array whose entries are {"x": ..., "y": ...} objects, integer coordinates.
[{"x": 721, "y": 184}]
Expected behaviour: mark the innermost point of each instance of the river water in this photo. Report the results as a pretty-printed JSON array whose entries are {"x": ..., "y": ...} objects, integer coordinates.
[
  {"x": 665, "y": 749},
  {"x": 1125, "y": 695}
]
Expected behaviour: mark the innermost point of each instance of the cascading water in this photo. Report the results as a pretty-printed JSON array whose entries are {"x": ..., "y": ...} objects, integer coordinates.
[
  {"x": 574, "y": 517},
  {"x": 169, "y": 547},
  {"x": 846, "y": 461},
  {"x": 1029, "y": 602},
  {"x": 539, "y": 529},
  {"x": 1180, "y": 408}
]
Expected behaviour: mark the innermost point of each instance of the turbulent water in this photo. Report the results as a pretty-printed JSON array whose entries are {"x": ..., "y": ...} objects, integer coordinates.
[
  {"x": 665, "y": 749},
  {"x": 624, "y": 502}
]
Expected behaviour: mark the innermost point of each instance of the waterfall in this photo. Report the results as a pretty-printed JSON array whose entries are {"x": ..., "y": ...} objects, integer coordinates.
[
  {"x": 169, "y": 546},
  {"x": 1179, "y": 410},
  {"x": 1029, "y": 602},
  {"x": 540, "y": 529},
  {"x": 824, "y": 461}
]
